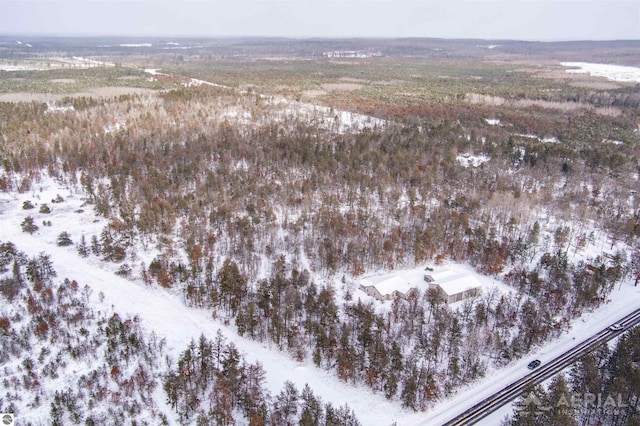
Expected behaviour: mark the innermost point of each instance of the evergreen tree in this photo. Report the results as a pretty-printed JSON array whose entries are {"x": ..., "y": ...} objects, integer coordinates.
[
  {"x": 64, "y": 239},
  {"x": 83, "y": 248},
  {"x": 409, "y": 389},
  {"x": 233, "y": 285},
  {"x": 558, "y": 397},
  {"x": 28, "y": 225}
]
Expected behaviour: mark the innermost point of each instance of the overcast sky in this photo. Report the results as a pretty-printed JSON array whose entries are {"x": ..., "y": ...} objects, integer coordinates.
[{"x": 515, "y": 19}]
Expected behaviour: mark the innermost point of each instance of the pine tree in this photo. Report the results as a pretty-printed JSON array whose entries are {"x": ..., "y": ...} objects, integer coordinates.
[
  {"x": 221, "y": 403},
  {"x": 286, "y": 405},
  {"x": 391, "y": 385},
  {"x": 232, "y": 369},
  {"x": 83, "y": 249},
  {"x": 28, "y": 225},
  {"x": 96, "y": 249},
  {"x": 311, "y": 407},
  {"x": 409, "y": 389},
  {"x": 217, "y": 348},
  {"x": 64, "y": 239},
  {"x": 253, "y": 395},
  {"x": 233, "y": 285},
  {"x": 531, "y": 409},
  {"x": 559, "y": 399}
]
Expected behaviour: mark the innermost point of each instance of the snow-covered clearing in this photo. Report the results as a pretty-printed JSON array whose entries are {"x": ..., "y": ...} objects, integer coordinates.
[
  {"x": 135, "y": 45},
  {"x": 337, "y": 120},
  {"x": 546, "y": 139},
  {"x": 51, "y": 108},
  {"x": 610, "y": 72},
  {"x": 612, "y": 141},
  {"x": 468, "y": 160}
]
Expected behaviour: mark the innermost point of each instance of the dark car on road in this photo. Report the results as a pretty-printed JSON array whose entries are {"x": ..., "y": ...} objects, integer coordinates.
[{"x": 533, "y": 364}]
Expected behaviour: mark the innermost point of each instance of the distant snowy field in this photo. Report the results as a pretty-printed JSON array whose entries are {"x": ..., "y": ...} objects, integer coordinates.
[
  {"x": 45, "y": 64},
  {"x": 610, "y": 72}
]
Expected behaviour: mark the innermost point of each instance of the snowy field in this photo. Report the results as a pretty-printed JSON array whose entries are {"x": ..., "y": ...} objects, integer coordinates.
[
  {"x": 45, "y": 64},
  {"x": 610, "y": 72}
]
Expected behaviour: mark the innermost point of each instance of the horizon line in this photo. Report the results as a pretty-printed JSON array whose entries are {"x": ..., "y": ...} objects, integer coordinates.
[{"x": 312, "y": 37}]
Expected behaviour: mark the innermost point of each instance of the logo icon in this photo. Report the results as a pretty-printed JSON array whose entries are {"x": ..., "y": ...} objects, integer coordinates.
[{"x": 7, "y": 419}]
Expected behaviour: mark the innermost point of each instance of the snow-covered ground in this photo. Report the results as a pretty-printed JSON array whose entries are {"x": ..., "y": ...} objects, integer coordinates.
[
  {"x": 51, "y": 108},
  {"x": 546, "y": 139},
  {"x": 468, "y": 160},
  {"x": 337, "y": 120},
  {"x": 612, "y": 141},
  {"x": 163, "y": 312},
  {"x": 52, "y": 63},
  {"x": 610, "y": 72},
  {"x": 135, "y": 45}
]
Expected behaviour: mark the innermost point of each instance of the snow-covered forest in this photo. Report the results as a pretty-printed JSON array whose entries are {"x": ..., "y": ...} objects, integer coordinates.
[{"x": 263, "y": 211}]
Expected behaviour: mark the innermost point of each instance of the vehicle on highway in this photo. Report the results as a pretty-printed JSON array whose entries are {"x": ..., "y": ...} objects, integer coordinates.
[
  {"x": 616, "y": 327},
  {"x": 533, "y": 364}
]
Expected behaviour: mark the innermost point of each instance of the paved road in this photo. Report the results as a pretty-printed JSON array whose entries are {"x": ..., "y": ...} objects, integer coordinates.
[{"x": 542, "y": 373}]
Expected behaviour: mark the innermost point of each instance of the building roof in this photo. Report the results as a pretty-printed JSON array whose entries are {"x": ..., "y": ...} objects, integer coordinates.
[
  {"x": 453, "y": 282},
  {"x": 401, "y": 281}
]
